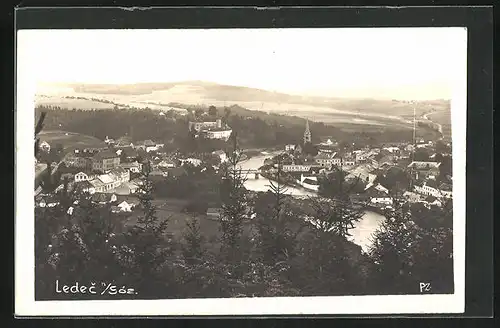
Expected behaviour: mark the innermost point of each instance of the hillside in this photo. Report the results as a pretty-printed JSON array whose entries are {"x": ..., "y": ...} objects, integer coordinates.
[{"x": 161, "y": 96}]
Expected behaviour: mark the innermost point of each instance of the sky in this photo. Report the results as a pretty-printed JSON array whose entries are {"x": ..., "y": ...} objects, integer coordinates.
[{"x": 398, "y": 63}]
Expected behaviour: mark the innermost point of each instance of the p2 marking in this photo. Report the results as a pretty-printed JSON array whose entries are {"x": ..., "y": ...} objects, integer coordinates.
[{"x": 425, "y": 287}]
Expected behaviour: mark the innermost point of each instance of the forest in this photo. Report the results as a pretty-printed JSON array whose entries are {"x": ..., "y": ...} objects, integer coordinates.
[{"x": 255, "y": 129}]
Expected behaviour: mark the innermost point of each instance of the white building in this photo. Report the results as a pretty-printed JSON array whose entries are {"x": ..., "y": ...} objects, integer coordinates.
[
  {"x": 134, "y": 167},
  {"x": 167, "y": 163},
  {"x": 212, "y": 130},
  {"x": 221, "y": 154},
  {"x": 431, "y": 191},
  {"x": 223, "y": 134},
  {"x": 381, "y": 200},
  {"x": 309, "y": 182},
  {"x": 289, "y": 147},
  {"x": 192, "y": 161},
  {"x": 296, "y": 168}
]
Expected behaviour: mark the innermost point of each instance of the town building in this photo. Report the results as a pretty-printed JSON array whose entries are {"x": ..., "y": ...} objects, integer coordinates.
[
  {"x": 221, "y": 154},
  {"x": 289, "y": 147},
  {"x": 192, "y": 161},
  {"x": 148, "y": 146},
  {"x": 104, "y": 161},
  {"x": 167, "y": 163},
  {"x": 123, "y": 207},
  {"x": 296, "y": 168},
  {"x": 327, "y": 159},
  {"x": 79, "y": 159},
  {"x": 212, "y": 130},
  {"x": 102, "y": 198},
  {"x": 309, "y": 182},
  {"x": 134, "y": 167},
  {"x": 428, "y": 190},
  {"x": 422, "y": 170}
]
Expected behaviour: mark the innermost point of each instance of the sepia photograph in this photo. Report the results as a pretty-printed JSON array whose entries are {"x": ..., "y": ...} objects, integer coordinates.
[{"x": 241, "y": 171}]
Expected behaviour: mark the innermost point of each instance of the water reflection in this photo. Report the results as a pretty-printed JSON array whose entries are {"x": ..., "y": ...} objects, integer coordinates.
[{"x": 361, "y": 234}]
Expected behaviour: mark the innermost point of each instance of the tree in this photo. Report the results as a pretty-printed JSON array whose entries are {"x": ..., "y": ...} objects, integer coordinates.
[
  {"x": 405, "y": 253},
  {"x": 212, "y": 111},
  {"x": 193, "y": 251},
  {"x": 335, "y": 184},
  {"x": 276, "y": 225},
  {"x": 227, "y": 114},
  {"x": 198, "y": 112},
  {"x": 147, "y": 247},
  {"x": 234, "y": 204},
  {"x": 335, "y": 216}
]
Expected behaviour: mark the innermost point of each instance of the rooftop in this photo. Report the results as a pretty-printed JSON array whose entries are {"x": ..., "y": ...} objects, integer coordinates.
[
  {"x": 424, "y": 165},
  {"x": 105, "y": 155}
]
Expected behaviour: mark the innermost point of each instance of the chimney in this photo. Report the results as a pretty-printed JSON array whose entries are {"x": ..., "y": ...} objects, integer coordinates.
[{"x": 219, "y": 123}]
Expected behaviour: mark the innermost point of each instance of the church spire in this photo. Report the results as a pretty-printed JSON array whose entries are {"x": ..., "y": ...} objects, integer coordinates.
[{"x": 307, "y": 133}]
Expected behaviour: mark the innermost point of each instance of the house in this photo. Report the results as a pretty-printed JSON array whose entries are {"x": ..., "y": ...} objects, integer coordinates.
[
  {"x": 134, "y": 167},
  {"x": 44, "y": 145},
  {"x": 381, "y": 200},
  {"x": 432, "y": 201},
  {"x": 103, "y": 198},
  {"x": 424, "y": 169},
  {"x": 295, "y": 168},
  {"x": 429, "y": 190},
  {"x": 123, "y": 207},
  {"x": 412, "y": 197},
  {"x": 348, "y": 162},
  {"x": 221, "y": 154},
  {"x": 47, "y": 201},
  {"x": 105, "y": 160},
  {"x": 192, "y": 161},
  {"x": 289, "y": 147},
  {"x": 309, "y": 182},
  {"x": 78, "y": 159},
  {"x": 124, "y": 142},
  {"x": 363, "y": 172},
  {"x": 213, "y": 213},
  {"x": 121, "y": 174},
  {"x": 325, "y": 159},
  {"x": 105, "y": 182},
  {"x": 212, "y": 129},
  {"x": 167, "y": 163},
  {"x": 81, "y": 176},
  {"x": 109, "y": 141},
  {"x": 391, "y": 149}
]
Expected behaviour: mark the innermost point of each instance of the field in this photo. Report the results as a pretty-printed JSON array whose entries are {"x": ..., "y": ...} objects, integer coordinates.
[
  {"x": 71, "y": 103},
  {"x": 70, "y": 140},
  {"x": 160, "y": 96},
  {"x": 171, "y": 209}
]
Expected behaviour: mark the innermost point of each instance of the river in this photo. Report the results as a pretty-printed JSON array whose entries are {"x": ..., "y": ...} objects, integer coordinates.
[{"x": 361, "y": 234}]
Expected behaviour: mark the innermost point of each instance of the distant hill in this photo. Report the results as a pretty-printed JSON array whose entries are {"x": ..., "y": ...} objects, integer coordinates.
[{"x": 333, "y": 110}]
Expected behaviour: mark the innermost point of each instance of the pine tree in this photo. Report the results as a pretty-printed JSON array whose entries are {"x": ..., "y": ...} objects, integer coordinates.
[
  {"x": 337, "y": 213},
  {"x": 193, "y": 251},
  {"x": 406, "y": 252},
  {"x": 276, "y": 225},
  {"x": 147, "y": 249},
  {"x": 233, "y": 205}
]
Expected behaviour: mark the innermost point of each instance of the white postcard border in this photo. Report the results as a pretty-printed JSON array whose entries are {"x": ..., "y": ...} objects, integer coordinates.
[{"x": 25, "y": 305}]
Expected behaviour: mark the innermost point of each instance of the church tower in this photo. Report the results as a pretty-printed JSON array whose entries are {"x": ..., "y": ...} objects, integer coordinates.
[{"x": 307, "y": 133}]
